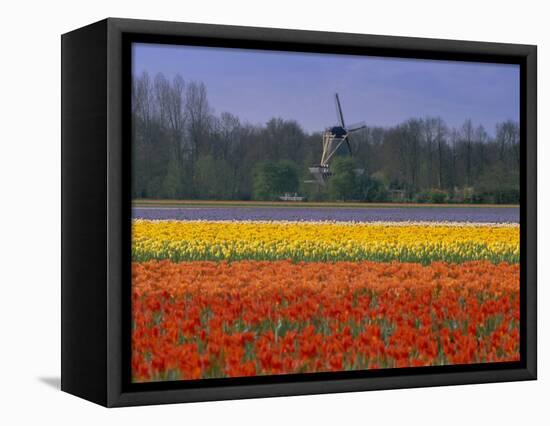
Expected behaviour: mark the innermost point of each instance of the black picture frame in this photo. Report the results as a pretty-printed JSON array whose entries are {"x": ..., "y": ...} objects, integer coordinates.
[{"x": 96, "y": 205}]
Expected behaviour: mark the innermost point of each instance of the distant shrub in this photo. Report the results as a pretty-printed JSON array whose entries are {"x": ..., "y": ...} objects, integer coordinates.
[
  {"x": 498, "y": 196},
  {"x": 497, "y": 185},
  {"x": 438, "y": 196},
  {"x": 435, "y": 196},
  {"x": 371, "y": 189},
  {"x": 273, "y": 179}
]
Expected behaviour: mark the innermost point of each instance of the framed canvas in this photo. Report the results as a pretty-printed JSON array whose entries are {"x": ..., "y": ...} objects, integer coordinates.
[{"x": 254, "y": 212}]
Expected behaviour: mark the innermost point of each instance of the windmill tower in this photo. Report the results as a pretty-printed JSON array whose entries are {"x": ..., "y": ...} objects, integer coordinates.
[{"x": 333, "y": 138}]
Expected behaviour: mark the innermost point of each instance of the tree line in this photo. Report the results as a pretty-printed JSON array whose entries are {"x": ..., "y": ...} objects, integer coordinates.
[{"x": 182, "y": 150}]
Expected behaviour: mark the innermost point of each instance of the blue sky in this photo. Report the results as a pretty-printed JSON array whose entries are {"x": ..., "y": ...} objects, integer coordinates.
[{"x": 257, "y": 85}]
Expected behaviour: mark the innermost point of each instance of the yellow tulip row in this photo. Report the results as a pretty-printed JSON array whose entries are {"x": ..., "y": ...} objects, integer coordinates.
[{"x": 322, "y": 241}]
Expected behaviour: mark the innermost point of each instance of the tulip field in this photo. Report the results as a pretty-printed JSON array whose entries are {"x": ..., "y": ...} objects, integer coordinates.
[{"x": 215, "y": 297}]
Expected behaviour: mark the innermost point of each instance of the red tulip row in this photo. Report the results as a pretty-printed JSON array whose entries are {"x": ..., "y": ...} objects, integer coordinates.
[{"x": 195, "y": 320}]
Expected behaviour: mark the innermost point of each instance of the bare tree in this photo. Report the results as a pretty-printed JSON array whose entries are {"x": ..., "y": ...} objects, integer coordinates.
[
  {"x": 481, "y": 139},
  {"x": 142, "y": 102},
  {"x": 413, "y": 132},
  {"x": 430, "y": 130},
  {"x": 508, "y": 140},
  {"x": 468, "y": 135},
  {"x": 441, "y": 131},
  {"x": 199, "y": 114},
  {"x": 455, "y": 137},
  {"x": 229, "y": 126},
  {"x": 170, "y": 97}
]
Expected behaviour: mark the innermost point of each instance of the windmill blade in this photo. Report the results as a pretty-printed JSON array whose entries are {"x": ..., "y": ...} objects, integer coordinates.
[
  {"x": 348, "y": 143},
  {"x": 356, "y": 126},
  {"x": 339, "y": 113}
]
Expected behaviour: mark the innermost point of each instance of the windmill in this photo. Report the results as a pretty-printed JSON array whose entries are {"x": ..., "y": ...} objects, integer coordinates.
[{"x": 333, "y": 138}]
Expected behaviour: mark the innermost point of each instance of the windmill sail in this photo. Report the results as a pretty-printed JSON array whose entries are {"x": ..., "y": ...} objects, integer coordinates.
[
  {"x": 339, "y": 113},
  {"x": 340, "y": 116},
  {"x": 356, "y": 126}
]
